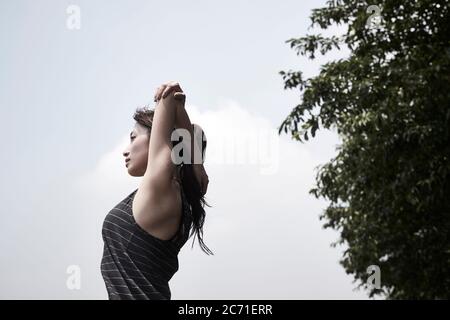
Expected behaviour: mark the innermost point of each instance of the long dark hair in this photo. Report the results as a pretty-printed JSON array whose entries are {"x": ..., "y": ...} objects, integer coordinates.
[{"x": 191, "y": 187}]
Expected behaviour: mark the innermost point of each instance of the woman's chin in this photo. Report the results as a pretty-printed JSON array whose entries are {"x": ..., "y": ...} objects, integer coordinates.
[
  {"x": 129, "y": 170},
  {"x": 133, "y": 173}
]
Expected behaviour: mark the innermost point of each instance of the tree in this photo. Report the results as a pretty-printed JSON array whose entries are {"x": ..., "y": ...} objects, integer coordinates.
[{"x": 388, "y": 187}]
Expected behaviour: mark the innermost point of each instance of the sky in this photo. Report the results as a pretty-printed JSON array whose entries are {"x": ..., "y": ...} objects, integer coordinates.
[{"x": 67, "y": 97}]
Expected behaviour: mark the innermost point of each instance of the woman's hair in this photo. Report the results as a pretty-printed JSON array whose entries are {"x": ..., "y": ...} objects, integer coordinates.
[{"x": 190, "y": 185}]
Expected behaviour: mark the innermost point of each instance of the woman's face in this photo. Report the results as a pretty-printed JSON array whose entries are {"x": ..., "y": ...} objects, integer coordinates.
[{"x": 137, "y": 151}]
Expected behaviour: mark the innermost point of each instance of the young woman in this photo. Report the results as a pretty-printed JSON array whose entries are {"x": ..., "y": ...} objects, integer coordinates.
[{"x": 144, "y": 232}]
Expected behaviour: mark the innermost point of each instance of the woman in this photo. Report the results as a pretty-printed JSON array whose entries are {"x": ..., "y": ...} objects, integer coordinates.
[{"x": 144, "y": 232}]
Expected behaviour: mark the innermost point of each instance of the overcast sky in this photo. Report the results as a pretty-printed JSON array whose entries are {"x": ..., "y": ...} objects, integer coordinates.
[{"x": 67, "y": 97}]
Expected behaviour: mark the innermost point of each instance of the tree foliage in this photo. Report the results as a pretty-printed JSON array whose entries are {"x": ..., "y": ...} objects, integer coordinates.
[{"x": 388, "y": 186}]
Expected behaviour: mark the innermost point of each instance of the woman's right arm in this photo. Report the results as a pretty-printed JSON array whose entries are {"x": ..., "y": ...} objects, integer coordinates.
[{"x": 182, "y": 121}]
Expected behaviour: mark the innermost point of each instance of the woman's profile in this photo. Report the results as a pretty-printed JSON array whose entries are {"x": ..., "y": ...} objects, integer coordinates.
[{"x": 145, "y": 231}]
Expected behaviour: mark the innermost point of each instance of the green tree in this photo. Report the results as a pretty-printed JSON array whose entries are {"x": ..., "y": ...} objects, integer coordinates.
[{"x": 388, "y": 186}]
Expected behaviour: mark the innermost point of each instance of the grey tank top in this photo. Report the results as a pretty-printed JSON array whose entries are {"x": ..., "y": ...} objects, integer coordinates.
[{"x": 137, "y": 265}]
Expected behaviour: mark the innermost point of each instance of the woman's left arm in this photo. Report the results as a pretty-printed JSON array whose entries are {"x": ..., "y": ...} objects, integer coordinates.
[{"x": 160, "y": 166}]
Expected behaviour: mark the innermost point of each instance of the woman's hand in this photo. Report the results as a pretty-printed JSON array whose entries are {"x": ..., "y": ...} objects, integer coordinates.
[
  {"x": 165, "y": 89},
  {"x": 201, "y": 176}
]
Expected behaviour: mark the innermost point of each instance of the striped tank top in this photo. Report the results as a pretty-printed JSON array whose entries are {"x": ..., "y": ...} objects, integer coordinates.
[{"x": 136, "y": 265}]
